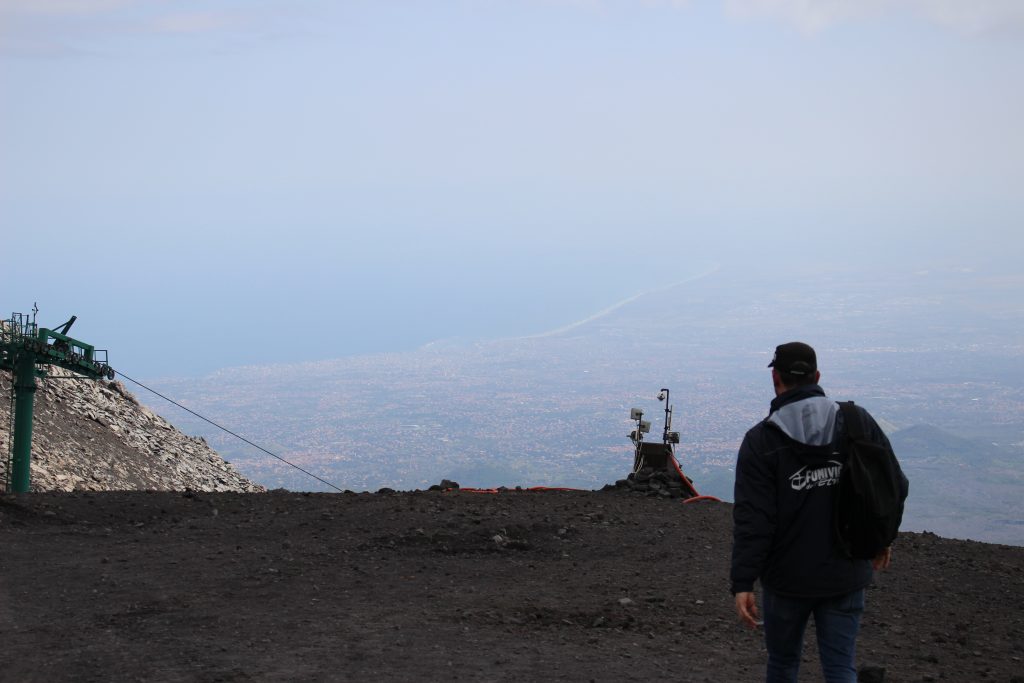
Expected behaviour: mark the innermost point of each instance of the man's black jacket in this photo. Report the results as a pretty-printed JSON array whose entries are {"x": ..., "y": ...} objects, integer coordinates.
[{"x": 786, "y": 476}]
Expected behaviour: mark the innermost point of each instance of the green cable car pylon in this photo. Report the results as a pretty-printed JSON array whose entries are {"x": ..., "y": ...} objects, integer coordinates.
[{"x": 25, "y": 350}]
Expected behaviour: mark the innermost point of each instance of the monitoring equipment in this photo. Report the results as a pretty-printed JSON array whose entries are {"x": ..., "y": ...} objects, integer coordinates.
[
  {"x": 653, "y": 454},
  {"x": 656, "y": 472}
]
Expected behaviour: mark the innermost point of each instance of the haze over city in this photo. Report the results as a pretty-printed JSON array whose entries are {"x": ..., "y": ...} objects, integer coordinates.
[{"x": 209, "y": 184}]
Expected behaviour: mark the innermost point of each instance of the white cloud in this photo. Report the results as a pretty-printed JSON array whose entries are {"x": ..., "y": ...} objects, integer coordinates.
[
  {"x": 967, "y": 16},
  {"x": 54, "y": 28},
  {"x": 976, "y": 16},
  {"x": 194, "y": 22},
  {"x": 62, "y": 7},
  {"x": 147, "y": 16},
  {"x": 808, "y": 15}
]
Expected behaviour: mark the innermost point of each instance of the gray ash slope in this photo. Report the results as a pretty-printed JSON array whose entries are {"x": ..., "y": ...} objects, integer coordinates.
[
  {"x": 556, "y": 585},
  {"x": 95, "y": 436}
]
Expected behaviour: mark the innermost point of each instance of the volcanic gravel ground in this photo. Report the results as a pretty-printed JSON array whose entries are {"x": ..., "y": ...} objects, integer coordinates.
[{"x": 518, "y": 586}]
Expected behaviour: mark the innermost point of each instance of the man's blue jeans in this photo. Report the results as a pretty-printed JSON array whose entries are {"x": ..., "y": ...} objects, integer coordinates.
[{"x": 836, "y": 621}]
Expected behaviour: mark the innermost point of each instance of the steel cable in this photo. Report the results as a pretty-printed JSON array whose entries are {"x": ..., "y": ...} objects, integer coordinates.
[{"x": 225, "y": 429}]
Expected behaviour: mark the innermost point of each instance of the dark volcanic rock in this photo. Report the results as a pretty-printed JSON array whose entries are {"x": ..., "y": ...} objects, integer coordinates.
[{"x": 516, "y": 586}]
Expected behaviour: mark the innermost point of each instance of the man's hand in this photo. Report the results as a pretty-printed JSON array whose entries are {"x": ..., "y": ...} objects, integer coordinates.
[
  {"x": 746, "y": 608},
  {"x": 883, "y": 559}
]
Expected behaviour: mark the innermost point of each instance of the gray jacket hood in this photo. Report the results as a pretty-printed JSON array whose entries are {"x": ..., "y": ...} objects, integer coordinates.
[{"x": 810, "y": 421}]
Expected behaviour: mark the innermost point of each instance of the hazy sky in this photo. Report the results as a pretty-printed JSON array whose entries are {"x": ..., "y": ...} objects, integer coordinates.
[{"x": 217, "y": 183}]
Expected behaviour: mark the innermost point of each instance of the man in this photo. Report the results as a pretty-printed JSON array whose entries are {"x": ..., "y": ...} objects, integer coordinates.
[{"x": 786, "y": 479}]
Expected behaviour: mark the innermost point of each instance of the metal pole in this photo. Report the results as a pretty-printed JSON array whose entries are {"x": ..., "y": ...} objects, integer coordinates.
[
  {"x": 668, "y": 416},
  {"x": 24, "y": 391}
]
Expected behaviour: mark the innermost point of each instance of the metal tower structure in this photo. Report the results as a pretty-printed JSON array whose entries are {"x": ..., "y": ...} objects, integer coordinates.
[{"x": 26, "y": 350}]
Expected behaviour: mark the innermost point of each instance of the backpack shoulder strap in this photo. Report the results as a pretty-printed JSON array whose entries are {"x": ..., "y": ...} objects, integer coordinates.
[{"x": 853, "y": 423}]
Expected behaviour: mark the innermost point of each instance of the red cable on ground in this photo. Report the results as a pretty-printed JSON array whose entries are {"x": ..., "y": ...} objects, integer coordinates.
[
  {"x": 552, "y": 488},
  {"x": 675, "y": 463},
  {"x": 531, "y": 488},
  {"x": 689, "y": 484},
  {"x": 686, "y": 480},
  {"x": 697, "y": 498}
]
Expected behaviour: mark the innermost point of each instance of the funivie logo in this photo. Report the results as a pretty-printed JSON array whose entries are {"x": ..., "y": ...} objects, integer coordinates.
[{"x": 826, "y": 475}]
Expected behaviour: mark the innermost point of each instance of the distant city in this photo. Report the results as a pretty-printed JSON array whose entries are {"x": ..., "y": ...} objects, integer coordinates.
[{"x": 936, "y": 357}]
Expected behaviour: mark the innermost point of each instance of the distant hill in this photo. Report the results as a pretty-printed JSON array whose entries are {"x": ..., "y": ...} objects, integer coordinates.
[
  {"x": 951, "y": 476},
  {"x": 95, "y": 436}
]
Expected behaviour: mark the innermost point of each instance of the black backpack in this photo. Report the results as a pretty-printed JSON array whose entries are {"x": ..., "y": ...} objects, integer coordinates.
[{"x": 869, "y": 502}]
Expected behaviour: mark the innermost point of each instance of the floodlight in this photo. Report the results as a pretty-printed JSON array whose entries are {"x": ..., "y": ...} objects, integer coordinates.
[
  {"x": 645, "y": 426},
  {"x": 635, "y": 413},
  {"x": 672, "y": 437}
]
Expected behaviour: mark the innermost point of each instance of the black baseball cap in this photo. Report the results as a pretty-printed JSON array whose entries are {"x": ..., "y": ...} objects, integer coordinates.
[{"x": 795, "y": 358}]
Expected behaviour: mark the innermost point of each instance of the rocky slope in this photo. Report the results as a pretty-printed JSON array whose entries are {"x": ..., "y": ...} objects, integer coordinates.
[{"x": 95, "y": 436}]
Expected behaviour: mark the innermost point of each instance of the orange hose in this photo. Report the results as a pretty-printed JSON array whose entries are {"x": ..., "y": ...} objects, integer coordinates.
[
  {"x": 686, "y": 482},
  {"x": 675, "y": 463},
  {"x": 696, "y": 498},
  {"x": 532, "y": 488},
  {"x": 552, "y": 488}
]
